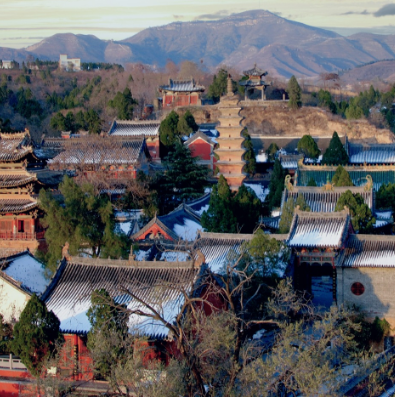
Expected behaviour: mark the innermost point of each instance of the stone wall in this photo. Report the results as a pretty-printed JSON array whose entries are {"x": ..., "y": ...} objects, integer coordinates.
[{"x": 378, "y": 298}]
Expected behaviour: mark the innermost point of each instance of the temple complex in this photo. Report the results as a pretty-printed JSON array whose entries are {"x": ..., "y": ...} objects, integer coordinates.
[
  {"x": 230, "y": 140},
  {"x": 253, "y": 82},
  {"x": 19, "y": 226},
  {"x": 181, "y": 93}
]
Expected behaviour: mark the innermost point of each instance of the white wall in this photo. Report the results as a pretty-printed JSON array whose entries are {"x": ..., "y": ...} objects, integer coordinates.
[{"x": 12, "y": 301}]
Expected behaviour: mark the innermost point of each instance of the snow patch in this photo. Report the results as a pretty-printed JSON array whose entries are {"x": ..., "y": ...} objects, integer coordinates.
[
  {"x": 187, "y": 231},
  {"x": 29, "y": 271}
]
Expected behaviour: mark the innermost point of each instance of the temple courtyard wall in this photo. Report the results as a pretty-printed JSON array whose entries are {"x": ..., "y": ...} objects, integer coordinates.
[{"x": 379, "y": 291}]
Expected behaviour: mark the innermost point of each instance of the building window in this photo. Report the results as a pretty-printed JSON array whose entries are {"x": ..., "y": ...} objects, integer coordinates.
[{"x": 357, "y": 289}]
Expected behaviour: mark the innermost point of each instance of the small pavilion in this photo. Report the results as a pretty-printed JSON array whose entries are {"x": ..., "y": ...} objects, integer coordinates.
[{"x": 253, "y": 81}]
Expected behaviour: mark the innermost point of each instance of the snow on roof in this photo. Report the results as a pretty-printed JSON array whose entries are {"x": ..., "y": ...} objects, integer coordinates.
[
  {"x": 69, "y": 295},
  {"x": 260, "y": 190},
  {"x": 29, "y": 271},
  {"x": 134, "y": 128},
  {"x": 188, "y": 230},
  {"x": 317, "y": 229},
  {"x": 369, "y": 251}
]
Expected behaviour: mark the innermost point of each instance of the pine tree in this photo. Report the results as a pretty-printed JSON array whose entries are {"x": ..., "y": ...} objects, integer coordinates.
[
  {"x": 308, "y": 146},
  {"x": 276, "y": 186},
  {"x": 335, "y": 154},
  {"x": 220, "y": 218},
  {"x": 247, "y": 208},
  {"x": 84, "y": 219},
  {"x": 286, "y": 217},
  {"x": 168, "y": 130},
  {"x": 294, "y": 93},
  {"x": 36, "y": 335},
  {"x": 272, "y": 151},
  {"x": 218, "y": 86},
  {"x": 342, "y": 177},
  {"x": 187, "y": 124},
  {"x": 249, "y": 155},
  {"x": 184, "y": 179},
  {"x": 108, "y": 329},
  {"x": 288, "y": 212},
  {"x": 124, "y": 103},
  {"x": 361, "y": 216}
]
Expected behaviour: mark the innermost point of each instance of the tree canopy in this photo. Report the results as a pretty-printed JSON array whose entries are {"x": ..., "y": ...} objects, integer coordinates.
[
  {"x": 342, "y": 177},
  {"x": 218, "y": 87},
  {"x": 168, "y": 130},
  {"x": 288, "y": 212},
  {"x": 308, "y": 146},
  {"x": 361, "y": 216},
  {"x": 385, "y": 197},
  {"x": 294, "y": 93},
  {"x": 249, "y": 155},
  {"x": 83, "y": 218},
  {"x": 231, "y": 212},
  {"x": 36, "y": 335},
  {"x": 276, "y": 186},
  {"x": 124, "y": 103},
  {"x": 108, "y": 329},
  {"x": 271, "y": 151},
  {"x": 335, "y": 154},
  {"x": 184, "y": 179}
]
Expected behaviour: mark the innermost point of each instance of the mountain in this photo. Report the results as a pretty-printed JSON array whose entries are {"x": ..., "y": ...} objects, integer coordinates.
[
  {"x": 281, "y": 46},
  {"x": 381, "y": 70}
]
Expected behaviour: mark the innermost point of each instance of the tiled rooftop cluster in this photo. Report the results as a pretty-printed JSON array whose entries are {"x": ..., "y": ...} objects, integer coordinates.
[
  {"x": 319, "y": 229},
  {"x": 134, "y": 128},
  {"x": 182, "y": 86},
  {"x": 158, "y": 283}
]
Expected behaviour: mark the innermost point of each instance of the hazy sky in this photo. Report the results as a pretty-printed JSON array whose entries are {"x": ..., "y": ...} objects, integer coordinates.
[{"x": 24, "y": 22}]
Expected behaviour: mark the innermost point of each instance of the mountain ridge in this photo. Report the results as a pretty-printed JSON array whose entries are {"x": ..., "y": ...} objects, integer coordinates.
[{"x": 282, "y": 46}]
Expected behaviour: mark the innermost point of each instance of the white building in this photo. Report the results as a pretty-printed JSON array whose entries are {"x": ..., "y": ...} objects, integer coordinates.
[
  {"x": 69, "y": 64},
  {"x": 6, "y": 64}
]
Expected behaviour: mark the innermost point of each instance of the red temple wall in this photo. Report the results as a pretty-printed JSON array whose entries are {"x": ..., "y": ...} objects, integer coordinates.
[{"x": 200, "y": 148}]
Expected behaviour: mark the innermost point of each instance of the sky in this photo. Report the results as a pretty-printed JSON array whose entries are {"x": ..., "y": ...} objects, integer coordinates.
[{"x": 25, "y": 22}]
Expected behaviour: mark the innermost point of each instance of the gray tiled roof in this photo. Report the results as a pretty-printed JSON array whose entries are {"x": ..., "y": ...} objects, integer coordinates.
[
  {"x": 320, "y": 200},
  {"x": 15, "y": 205},
  {"x": 255, "y": 71},
  {"x": 369, "y": 251},
  {"x": 371, "y": 153},
  {"x": 101, "y": 151},
  {"x": 13, "y": 180},
  {"x": 182, "y": 86},
  {"x": 14, "y": 146},
  {"x": 158, "y": 283},
  {"x": 134, "y": 128},
  {"x": 318, "y": 229}
]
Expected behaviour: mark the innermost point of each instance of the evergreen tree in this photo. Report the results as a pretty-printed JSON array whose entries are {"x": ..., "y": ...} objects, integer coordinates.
[
  {"x": 385, "y": 197},
  {"x": 301, "y": 202},
  {"x": 218, "y": 86},
  {"x": 190, "y": 120},
  {"x": 288, "y": 212},
  {"x": 276, "y": 186},
  {"x": 247, "y": 207},
  {"x": 361, "y": 216},
  {"x": 5, "y": 336},
  {"x": 294, "y": 93},
  {"x": 168, "y": 130},
  {"x": 36, "y": 335},
  {"x": 108, "y": 330},
  {"x": 342, "y": 177},
  {"x": 249, "y": 155},
  {"x": 308, "y": 146},
  {"x": 220, "y": 218},
  {"x": 124, "y": 103},
  {"x": 335, "y": 154},
  {"x": 286, "y": 217},
  {"x": 184, "y": 179},
  {"x": 84, "y": 219},
  {"x": 272, "y": 151},
  {"x": 311, "y": 182}
]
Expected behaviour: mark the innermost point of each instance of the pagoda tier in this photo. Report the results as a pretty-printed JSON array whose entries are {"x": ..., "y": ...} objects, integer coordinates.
[
  {"x": 230, "y": 140},
  {"x": 19, "y": 225}
]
